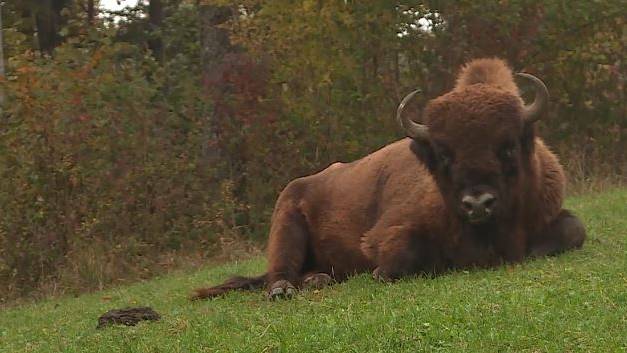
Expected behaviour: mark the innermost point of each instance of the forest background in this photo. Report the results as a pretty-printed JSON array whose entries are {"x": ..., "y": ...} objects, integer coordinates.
[{"x": 157, "y": 137}]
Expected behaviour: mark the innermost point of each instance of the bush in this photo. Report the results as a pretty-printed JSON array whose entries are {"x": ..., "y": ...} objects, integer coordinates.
[{"x": 99, "y": 172}]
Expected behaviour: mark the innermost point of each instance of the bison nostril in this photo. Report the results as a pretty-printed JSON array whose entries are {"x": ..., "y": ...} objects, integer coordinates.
[
  {"x": 467, "y": 205},
  {"x": 478, "y": 206},
  {"x": 488, "y": 201}
]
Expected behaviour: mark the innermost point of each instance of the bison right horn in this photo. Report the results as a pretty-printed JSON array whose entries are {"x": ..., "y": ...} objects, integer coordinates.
[
  {"x": 533, "y": 112},
  {"x": 412, "y": 129}
]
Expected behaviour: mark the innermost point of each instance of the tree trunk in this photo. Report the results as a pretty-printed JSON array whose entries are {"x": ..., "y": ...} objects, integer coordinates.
[
  {"x": 48, "y": 23},
  {"x": 214, "y": 45},
  {"x": 155, "y": 19},
  {"x": 214, "y": 41},
  {"x": 1, "y": 62},
  {"x": 91, "y": 13},
  {"x": 47, "y": 27}
]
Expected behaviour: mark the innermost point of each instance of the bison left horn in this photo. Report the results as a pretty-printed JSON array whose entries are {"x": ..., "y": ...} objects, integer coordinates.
[
  {"x": 412, "y": 129},
  {"x": 533, "y": 112}
]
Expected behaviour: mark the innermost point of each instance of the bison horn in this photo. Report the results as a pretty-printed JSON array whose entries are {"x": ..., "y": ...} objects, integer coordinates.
[
  {"x": 533, "y": 112},
  {"x": 412, "y": 129}
]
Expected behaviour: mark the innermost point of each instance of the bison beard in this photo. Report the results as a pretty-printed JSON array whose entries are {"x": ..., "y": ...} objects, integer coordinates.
[{"x": 471, "y": 186}]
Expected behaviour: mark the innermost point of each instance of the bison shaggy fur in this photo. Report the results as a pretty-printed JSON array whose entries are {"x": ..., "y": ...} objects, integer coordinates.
[{"x": 472, "y": 186}]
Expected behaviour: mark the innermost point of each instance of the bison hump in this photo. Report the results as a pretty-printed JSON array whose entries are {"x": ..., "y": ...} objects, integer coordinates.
[{"x": 490, "y": 71}]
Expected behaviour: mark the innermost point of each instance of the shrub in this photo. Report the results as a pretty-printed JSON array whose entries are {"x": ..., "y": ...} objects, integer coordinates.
[{"x": 100, "y": 173}]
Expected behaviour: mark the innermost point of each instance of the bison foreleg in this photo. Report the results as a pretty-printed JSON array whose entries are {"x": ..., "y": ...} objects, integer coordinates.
[
  {"x": 317, "y": 281},
  {"x": 394, "y": 250},
  {"x": 287, "y": 250},
  {"x": 281, "y": 289},
  {"x": 564, "y": 233},
  {"x": 285, "y": 289}
]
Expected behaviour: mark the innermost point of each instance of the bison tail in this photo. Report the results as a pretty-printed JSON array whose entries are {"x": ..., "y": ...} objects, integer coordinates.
[{"x": 234, "y": 283}]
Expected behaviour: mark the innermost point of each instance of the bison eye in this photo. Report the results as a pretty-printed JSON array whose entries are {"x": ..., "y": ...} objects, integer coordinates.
[
  {"x": 445, "y": 160},
  {"x": 443, "y": 155},
  {"x": 507, "y": 155},
  {"x": 507, "y": 152}
]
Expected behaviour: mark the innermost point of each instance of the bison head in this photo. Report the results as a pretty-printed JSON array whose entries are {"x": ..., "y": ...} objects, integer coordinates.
[{"x": 478, "y": 139}]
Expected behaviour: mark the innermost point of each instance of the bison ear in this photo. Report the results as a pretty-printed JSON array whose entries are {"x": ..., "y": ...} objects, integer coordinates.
[
  {"x": 527, "y": 141},
  {"x": 424, "y": 152}
]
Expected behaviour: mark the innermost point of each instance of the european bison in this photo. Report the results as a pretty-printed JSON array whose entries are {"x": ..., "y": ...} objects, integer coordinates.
[{"x": 471, "y": 186}]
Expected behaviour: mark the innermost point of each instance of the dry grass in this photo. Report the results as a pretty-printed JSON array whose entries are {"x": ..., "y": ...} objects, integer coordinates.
[
  {"x": 586, "y": 176},
  {"x": 92, "y": 270},
  {"x": 97, "y": 267}
]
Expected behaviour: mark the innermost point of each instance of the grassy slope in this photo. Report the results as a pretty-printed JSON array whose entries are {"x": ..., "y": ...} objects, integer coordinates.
[{"x": 576, "y": 302}]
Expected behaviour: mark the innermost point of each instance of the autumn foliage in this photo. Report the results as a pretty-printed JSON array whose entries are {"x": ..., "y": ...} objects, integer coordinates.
[{"x": 116, "y": 165}]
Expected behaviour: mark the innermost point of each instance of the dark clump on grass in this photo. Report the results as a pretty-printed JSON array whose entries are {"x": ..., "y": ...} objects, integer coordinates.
[{"x": 127, "y": 316}]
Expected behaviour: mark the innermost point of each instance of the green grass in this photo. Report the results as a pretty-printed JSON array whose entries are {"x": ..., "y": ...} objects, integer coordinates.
[{"x": 576, "y": 302}]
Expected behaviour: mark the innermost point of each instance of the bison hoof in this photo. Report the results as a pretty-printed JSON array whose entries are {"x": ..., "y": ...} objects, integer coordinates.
[
  {"x": 281, "y": 290},
  {"x": 317, "y": 281},
  {"x": 380, "y": 275}
]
